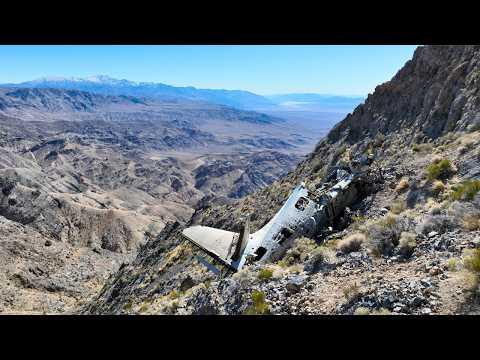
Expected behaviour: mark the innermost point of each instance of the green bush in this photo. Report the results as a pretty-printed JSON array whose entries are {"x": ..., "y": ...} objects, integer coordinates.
[
  {"x": 260, "y": 306},
  {"x": 422, "y": 147},
  {"x": 351, "y": 243},
  {"x": 442, "y": 169},
  {"x": 472, "y": 262},
  {"x": 265, "y": 274},
  {"x": 398, "y": 207},
  {"x": 466, "y": 190},
  {"x": 407, "y": 244},
  {"x": 351, "y": 292}
]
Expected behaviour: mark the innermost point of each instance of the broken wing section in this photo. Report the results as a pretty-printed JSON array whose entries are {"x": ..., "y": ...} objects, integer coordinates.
[{"x": 219, "y": 243}]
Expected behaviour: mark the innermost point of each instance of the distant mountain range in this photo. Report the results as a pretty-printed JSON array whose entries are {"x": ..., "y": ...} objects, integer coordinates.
[{"x": 240, "y": 99}]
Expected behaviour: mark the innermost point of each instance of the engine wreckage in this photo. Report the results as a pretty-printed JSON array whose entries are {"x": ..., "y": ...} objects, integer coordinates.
[{"x": 305, "y": 213}]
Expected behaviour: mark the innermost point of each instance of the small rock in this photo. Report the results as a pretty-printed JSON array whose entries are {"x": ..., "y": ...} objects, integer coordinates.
[
  {"x": 295, "y": 284},
  {"x": 426, "y": 311},
  {"x": 48, "y": 243},
  {"x": 418, "y": 300},
  {"x": 187, "y": 283},
  {"x": 432, "y": 234},
  {"x": 435, "y": 270},
  {"x": 425, "y": 282}
]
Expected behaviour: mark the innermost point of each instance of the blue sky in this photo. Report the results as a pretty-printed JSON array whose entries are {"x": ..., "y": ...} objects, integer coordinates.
[{"x": 334, "y": 69}]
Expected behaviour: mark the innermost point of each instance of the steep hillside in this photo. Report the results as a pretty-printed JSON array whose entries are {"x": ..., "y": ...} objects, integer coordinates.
[{"x": 406, "y": 247}]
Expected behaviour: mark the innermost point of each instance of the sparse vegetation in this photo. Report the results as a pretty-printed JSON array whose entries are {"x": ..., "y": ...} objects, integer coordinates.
[
  {"x": 362, "y": 311},
  {"x": 398, "y": 207},
  {"x": 351, "y": 243},
  {"x": 381, "y": 311},
  {"x": 383, "y": 235},
  {"x": 466, "y": 190},
  {"x": 265, "y": 274},
  {"x": 407, "y": 244},
  {"x": 174, "y": 294},
  {"x": 379, "y": 140},
  {"x": 452, "y": 264},
  {"x": 128, "y": 306},
  {"x": 440, "y": 170},
  {"x": 438, "y": 187},
  {"x": 298, "y": 252},
  {"x": 143, "y": 308},
  {"x": 471, "y": 222},
  {"x": 438, "y": 223},
  {"x": 351, "y": 292},
  {"x": 259, "y": 306},
  {"x": 472, "y": 261},
  {"x": 475, "y": 126},
  {"x": 402, "y": 186},
  {"x": 422, "y": 148}
]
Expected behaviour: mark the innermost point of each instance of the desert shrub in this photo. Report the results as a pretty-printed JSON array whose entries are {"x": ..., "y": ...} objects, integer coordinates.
[
  {"x": 144, "y": 308},
  {"x": 379, "y": 139},
  {"x": 466, "y": 190},
  {"x": 452, "y": 264},
  {"x": 407, "y": 244},
  {"x": 339, "y": 152},
  {"x": 474, "y": 127},
  {"x": 440, "y": 170},
  {"x": 351, "y": 243},
  {"x": 383, "y": 235},
  {"x": 362, "y": 311},
  {"x": 128, "y": 306},
  {"x": 402, "y": 186},
  {"x": 174, "y": 294},
  {"x": 317, "y": 258},
  {"x": 472, "y": 261},
  {"x": 422, "y": 148},
  {"x": 465, "y": 214},
  {"x": 437, "y": 187},
  {"x": 299, "y": 251},
  {"x": 381, "y": 311},
  {"x": 438, "y": 223},
  {"x": 448, "y": 138},
  {"x": 471, "y": 222},
  {"x": 351, "y": 292},
  {"x": 259, "y": 306},
  {"x": 435, "y": 210},
  {"x": 398, "y": 207},
  {"x": 265, "y": 274}
]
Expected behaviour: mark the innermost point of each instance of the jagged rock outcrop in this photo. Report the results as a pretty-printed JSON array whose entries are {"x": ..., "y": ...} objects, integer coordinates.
[{"x": 434, "y": 93}]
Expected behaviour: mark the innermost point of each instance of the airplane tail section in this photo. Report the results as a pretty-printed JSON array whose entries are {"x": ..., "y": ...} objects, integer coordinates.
[{"x": 242, "y": 240}]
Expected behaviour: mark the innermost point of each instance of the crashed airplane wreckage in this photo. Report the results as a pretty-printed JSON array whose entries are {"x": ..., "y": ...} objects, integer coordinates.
[{"x": 305, "y": 213}]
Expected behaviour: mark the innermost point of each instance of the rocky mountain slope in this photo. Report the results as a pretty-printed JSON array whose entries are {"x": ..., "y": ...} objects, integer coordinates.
[
  {"x": 86, "y": 178},
  {"x": 410, "y": 245}
]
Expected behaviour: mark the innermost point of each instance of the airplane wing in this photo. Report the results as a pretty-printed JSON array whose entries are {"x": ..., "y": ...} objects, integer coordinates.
[{"x": 220, "y": 243}]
